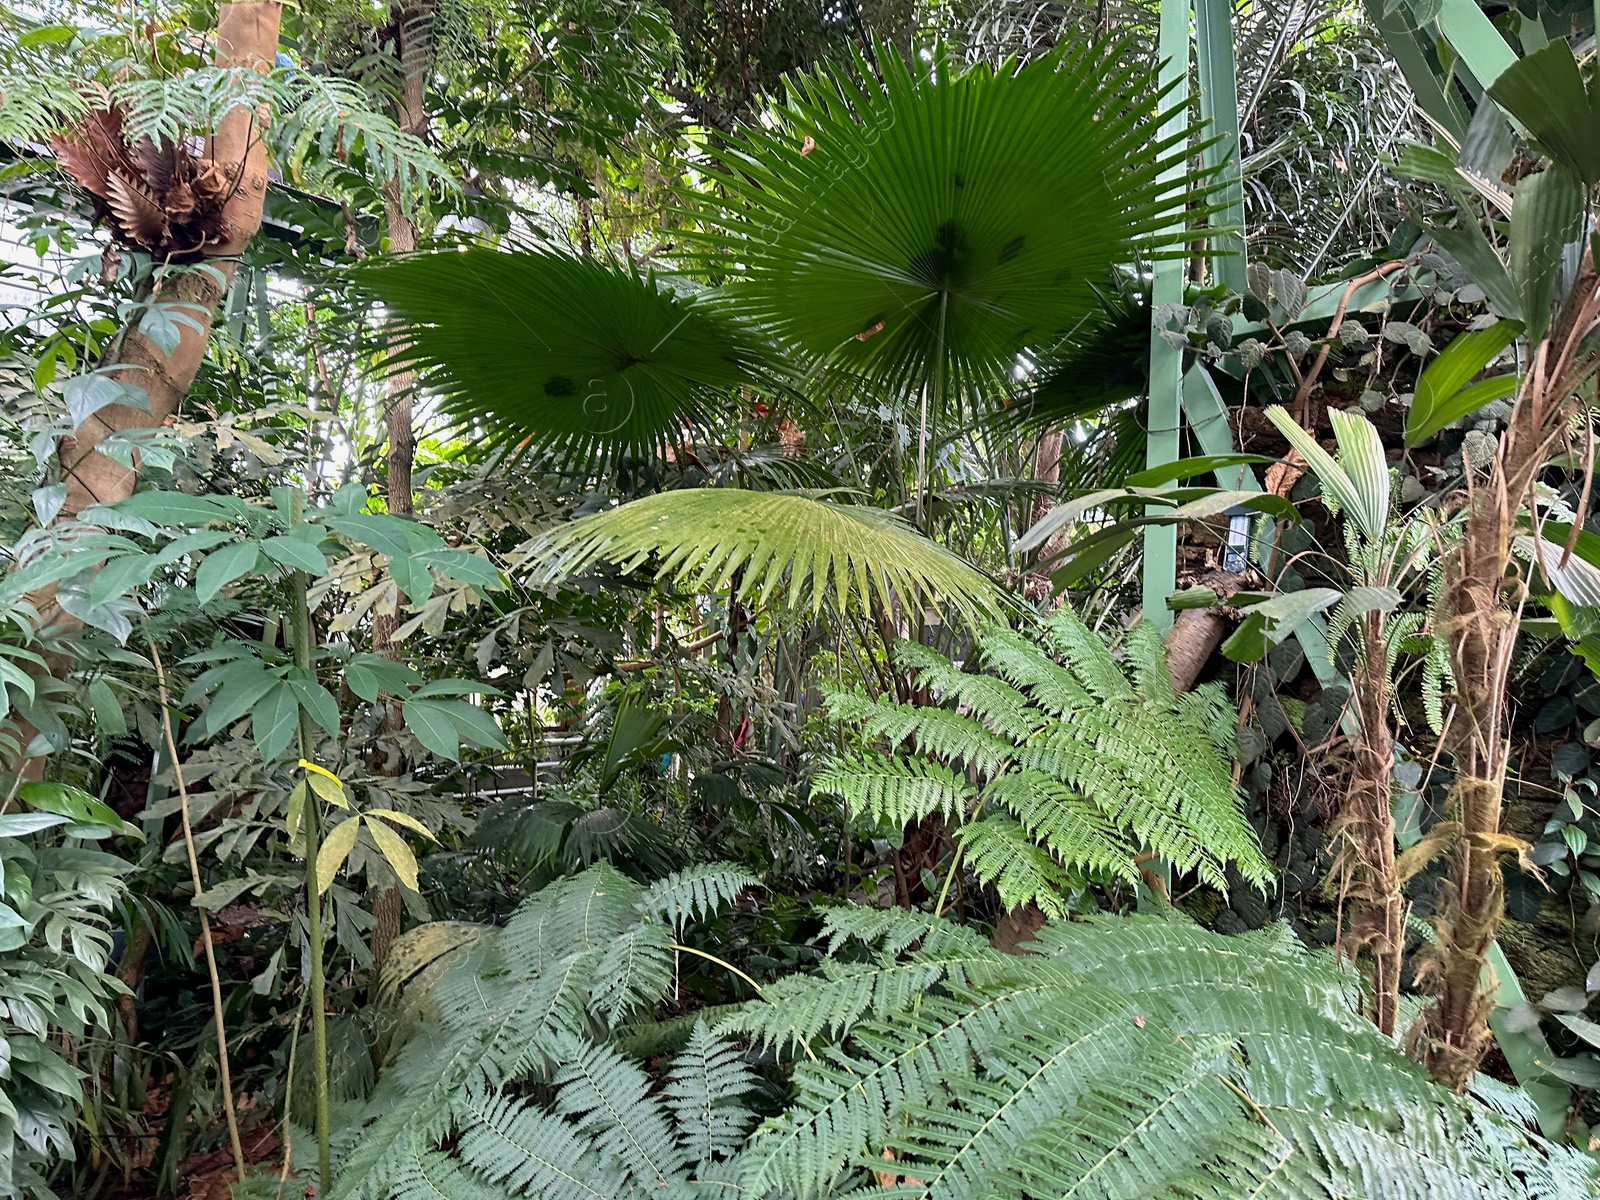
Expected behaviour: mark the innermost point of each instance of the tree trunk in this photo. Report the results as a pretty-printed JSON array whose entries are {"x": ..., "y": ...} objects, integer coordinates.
[
  {"x": 247, "y": 35},
  {"x": 1366, "y": 823},
  {"x": 1482, "y": 632},
  {"x": 415, "y": 49}
]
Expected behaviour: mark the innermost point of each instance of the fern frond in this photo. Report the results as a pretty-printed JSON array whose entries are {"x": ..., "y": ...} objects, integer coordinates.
[
  {"x": 1147, "y": 659},
  {"x": 632, "y": 973},
  {"x": 1143, "y": 1056},
  {"x": 1082, "y": 650},
  {"x": 608, "y": 1099},
  {"x": 896, "y": 790},
  {"x": 894, "y": 930},
  {"x": 429, "y": 1175},
  {"x": 1005, "y": 854},
  {"x": 696, "y": 892},
  {"x": 1077, "y": 832},
  {"x": 999, "y": 707},
  {"x": 536, "y": 1154},
  {"x": 707, "y": 1079},
  {"x": 952, "y": 738}
]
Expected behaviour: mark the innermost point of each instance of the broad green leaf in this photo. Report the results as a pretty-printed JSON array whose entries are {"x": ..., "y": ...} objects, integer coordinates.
[
  {"x": 1544, "y": 91},
  {"x": 370, "y": 674},
  {"x": 273, "y": 720},
  {"x": 121, "y": 575},
  {"x": 464, "y": 567},
  {"x": 335, "y": 848},
  {"x": 222, "y": 566},
  {"x": 22, "y": 824},
  {"x": 395, "y": 852},
  {"x": 317, "y": 701},
  {"x": 108, "y": 715},
  {"x": 1188, "y": 468},
  {"x": 1547, "y": 215},
  {"x": 1267, "y": 623},
  {"x": 175, "y": 508},
  {"x": 1438, "y": 399},
  {"x": 190, "y": 543},
  {"x": 412, "y": 576},
  {"x": 435, "y": 729},
  {"x": 297, "y": 553},
  {"x": 68, "y": 801},
  {"x": 1469, "y": 247},
  {"x": 454, "y": 687},
  {"x": 245, "y": 682}
]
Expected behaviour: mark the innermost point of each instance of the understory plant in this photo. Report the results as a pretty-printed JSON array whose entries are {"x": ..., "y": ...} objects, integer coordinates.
[{"x": 1054, "y": 764}]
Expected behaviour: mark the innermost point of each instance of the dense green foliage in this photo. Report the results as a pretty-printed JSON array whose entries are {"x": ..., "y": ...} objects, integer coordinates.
[{"x": 786, "y": 600}]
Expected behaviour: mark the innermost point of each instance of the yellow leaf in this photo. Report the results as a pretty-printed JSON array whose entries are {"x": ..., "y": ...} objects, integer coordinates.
[
  {"x": 332, "y": 792},
  {"x": 307, "y": 765},
  {"x": 336, "y": 848},
  {"x": 396, "y": 852},
  {"x": 297, "y": 808},
  {"x": 399, "y": 818}
]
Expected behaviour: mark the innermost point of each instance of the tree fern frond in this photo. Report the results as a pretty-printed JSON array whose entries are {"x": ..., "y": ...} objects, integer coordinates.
[
  {"x": 1147, "y": 658},
  {"x": 535, "y": 1153},
  {"x": 707, "y": 1079},
  {"x": 608, "y": 1099},
  {"x": 896, "y": 790},
  {"x": 1003, "y": 853},
  {"x": 1049, "y": 685},
  {"x": 1082, "y": 650},
  {"x": 894, "y": 930},
  {"x": 999, "y": 707},
  {"x": 584, "y": 911},
  {"x": 430, "y": 1175},
  {"x": 632, "y": 973},
  {"x": 950, "y": 737},
  {"x": 696, "y": 892},
  {"x": 1077, "y": 832},
  {"x": 1143, "y": 1056}
]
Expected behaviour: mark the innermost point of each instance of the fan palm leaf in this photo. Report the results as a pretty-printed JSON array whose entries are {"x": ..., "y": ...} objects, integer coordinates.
[
  {"x": 923, "y": 229},
  {"x": 578, "y": 356},
  {"x": 798, "y": 549}
]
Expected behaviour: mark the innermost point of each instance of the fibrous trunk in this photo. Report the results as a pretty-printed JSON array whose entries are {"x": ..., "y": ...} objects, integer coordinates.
[{"x": 1482, "y": 632}]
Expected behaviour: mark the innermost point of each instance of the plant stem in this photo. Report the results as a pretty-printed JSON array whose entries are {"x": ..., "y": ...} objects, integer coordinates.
[
  {"x": 300, "y": 617},
  {"x": 205, "y": 925}
]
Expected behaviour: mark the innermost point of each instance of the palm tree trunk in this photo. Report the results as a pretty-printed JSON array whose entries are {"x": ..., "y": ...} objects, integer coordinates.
[
  {"x": 1454, "y": 1034},
  {"x": 247, "y": 35},
  {"x": 1367, "y": 825}
]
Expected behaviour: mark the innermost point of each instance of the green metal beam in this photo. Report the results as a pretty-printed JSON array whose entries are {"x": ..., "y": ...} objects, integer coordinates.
[
  {"x": 1166, "y": 361},
  {"x": 1219, "y": 108}
]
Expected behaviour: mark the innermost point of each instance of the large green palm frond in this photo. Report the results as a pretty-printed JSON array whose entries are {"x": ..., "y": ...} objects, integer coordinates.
[
  {"x": 581, "y": 357},
  {"x": 798, "y": 549},
  {"x": 923, "y": 229}
]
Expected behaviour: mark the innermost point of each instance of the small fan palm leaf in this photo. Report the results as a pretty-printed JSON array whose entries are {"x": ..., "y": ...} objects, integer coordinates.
[
  {"x": 925, "y": 229},
  {"x": 772, "y": 546},
  {"x": 581, "y": 357}
]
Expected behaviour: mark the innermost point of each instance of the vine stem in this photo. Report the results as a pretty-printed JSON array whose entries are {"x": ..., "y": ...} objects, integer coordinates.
[
  {"x": 300, "y": 616},
  {"x": 205, "y": 924}
]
